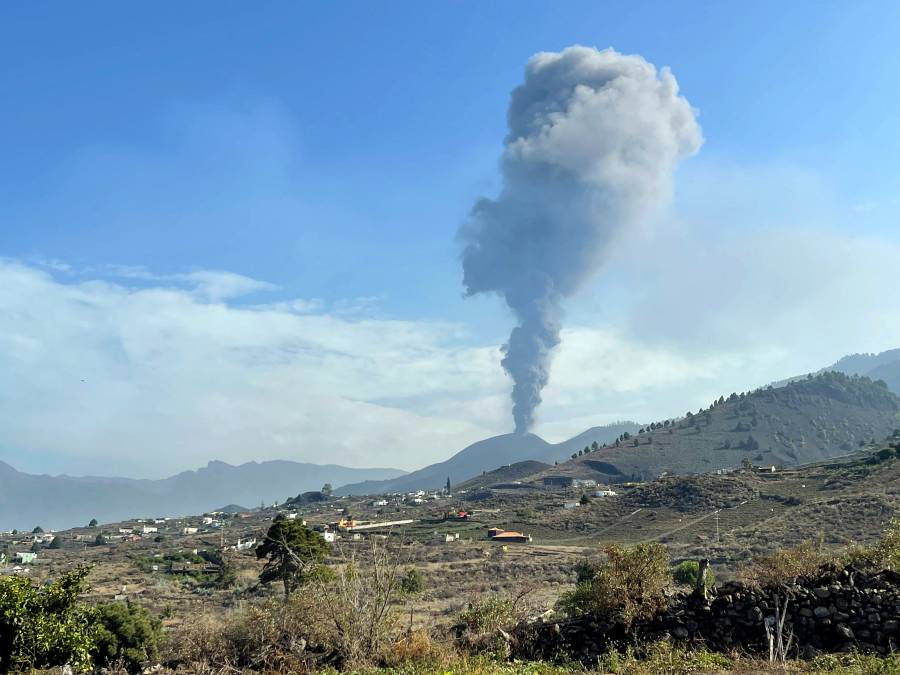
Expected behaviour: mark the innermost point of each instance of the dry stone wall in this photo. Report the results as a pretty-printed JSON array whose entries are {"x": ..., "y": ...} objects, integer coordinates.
[{"x": 840, "y": 610}]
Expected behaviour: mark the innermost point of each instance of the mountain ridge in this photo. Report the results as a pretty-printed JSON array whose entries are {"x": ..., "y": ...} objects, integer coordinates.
[
  {"x": 883, "y": 366},
  {"x": 487, "y": 455},
  {"x": 814, "y": 419},
  {"x": 75, "y": 500}
]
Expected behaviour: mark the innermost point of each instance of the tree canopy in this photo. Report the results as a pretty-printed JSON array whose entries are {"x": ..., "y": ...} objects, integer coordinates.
[
  {"x": 293, "y": 550},
  {"x": 43, "y": 627}
]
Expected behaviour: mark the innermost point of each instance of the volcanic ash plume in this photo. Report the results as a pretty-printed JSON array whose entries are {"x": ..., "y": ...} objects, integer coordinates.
[{"x": 594, "y": 138}]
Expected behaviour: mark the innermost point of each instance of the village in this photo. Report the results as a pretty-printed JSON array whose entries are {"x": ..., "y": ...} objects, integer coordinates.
[
  {"x": 179, "y": 561},
  {"x": 489, "y": 535},
  {"x": 420, "y": 517}
]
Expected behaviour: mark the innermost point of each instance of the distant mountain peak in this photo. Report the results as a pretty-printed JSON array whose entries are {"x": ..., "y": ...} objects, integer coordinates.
[
  {"x": 67, "y": 501},
  {"x": 486, "y": 455}
]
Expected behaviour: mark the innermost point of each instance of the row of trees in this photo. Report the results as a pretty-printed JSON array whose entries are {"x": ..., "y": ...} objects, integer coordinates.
[{"x": 593, "y": 447}]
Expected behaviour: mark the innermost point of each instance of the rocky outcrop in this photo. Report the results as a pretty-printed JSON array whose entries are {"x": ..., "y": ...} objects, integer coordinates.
[{"x": 840, "y": 610}]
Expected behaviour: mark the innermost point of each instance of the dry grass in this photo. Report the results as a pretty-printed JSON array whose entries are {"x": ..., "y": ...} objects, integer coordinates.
[{"x": 783, "y": 565}]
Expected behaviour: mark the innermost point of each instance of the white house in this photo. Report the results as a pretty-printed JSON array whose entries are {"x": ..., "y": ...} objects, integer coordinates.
[
  {"x": 570, "y": 505},
  {"x": 245, "y": 544},
  {"x": 605, "y": 493},
  {"x": 380, "y": 502},
  {"x": 328, "y": 536},
  {"x": 189, "y": 530},
  {"x": 148, "y": 529}
]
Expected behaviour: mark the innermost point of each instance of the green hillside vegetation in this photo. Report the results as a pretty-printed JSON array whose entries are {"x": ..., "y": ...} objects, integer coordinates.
[
  {"x": 505, "y": 475},
  {"x": 884, "y": 366},
  {"x": 818, "y": 418},
  {"x": 727, "y": 518}
]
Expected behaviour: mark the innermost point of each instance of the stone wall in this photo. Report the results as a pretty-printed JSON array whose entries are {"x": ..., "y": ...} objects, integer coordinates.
[{"x": 839, "y": 610}]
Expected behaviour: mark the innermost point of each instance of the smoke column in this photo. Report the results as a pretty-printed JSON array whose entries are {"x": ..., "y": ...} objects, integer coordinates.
[{"x": 594, "y": 139}]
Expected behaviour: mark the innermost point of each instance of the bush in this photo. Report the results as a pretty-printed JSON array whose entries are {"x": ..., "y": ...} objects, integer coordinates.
[
  {"x": 346, "y": 615},
  {"x": 488, "y": 614},
  {"x": 200, "y": 643},
  {"x": 688, "y": 572},
  {"x": 631, "y": 582},
  {"x": 45, "y": 627},
  {"x": 886, "y": 453},
  {"x": 803, "y": 560},
  {"x": 359, "y": 601},
  {"x": 126, "y": 635},
  {"x": 271, "y": 636},
  {"x": 884, "y": 554},
  {"x": 413, "y": 582},
  {"x": 417, "y": 652}
]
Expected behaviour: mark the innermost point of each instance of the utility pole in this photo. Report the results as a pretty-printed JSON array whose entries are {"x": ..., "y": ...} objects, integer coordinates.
[{"x": 717, "y": 528}]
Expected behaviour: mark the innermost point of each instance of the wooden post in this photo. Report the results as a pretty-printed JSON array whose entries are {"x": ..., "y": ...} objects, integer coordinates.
[{"x": 703, "y": 574}]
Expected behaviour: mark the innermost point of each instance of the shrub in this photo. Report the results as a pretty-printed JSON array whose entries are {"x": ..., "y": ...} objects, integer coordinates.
[
  {"x": 631, "y": 582},
  {"x": 417, "y": 652},
  {"x": 271, "y": 636},
  {"x": 45, "y": 627},
  {"x": 413, "y": 582},
  {"x": 884, "y": 554},
  {"x": 359, "y": 601},
  {"x": 886, "y": 453},
  {"x": 126, "y": 635},
  {"x": 688, "y": 572},
  {"x": 201, "y": 644},
  {"x": 785, "y": 564},
  {"x": 488, "y": 614}
]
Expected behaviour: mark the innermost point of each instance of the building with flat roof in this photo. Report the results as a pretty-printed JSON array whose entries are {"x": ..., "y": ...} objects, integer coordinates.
[{"x": 508, "y": 536}]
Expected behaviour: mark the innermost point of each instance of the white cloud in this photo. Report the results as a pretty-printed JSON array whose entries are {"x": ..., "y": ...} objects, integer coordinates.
[
  {"x": 701, "y": 318},
  {"x": 212, "y": 285},
  {"x": 105, "y": 378}
]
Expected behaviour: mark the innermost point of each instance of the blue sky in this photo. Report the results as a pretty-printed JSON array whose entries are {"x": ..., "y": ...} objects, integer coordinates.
[{"x": 330, "y": 151}]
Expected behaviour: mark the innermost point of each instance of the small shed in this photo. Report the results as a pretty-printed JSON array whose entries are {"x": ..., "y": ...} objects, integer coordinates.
[{"x": 512, "y": 537}]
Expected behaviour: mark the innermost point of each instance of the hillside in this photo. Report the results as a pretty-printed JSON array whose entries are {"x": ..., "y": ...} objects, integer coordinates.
[
  {"x": 884, "y": 366},
  {"x": 27, "y": 500},
  {"x": 727, "y": 519},
  {"x": 811, "y": 420},
  {"x": 505, "y": 475},
  {"x": 889, "y": 373},
  {"x": 487, "y": 455},
  {"x": 864, "y": 364}
]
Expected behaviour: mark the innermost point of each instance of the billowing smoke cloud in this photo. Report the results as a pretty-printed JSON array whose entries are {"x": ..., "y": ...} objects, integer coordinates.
[{"x": 594, "y": 138}]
